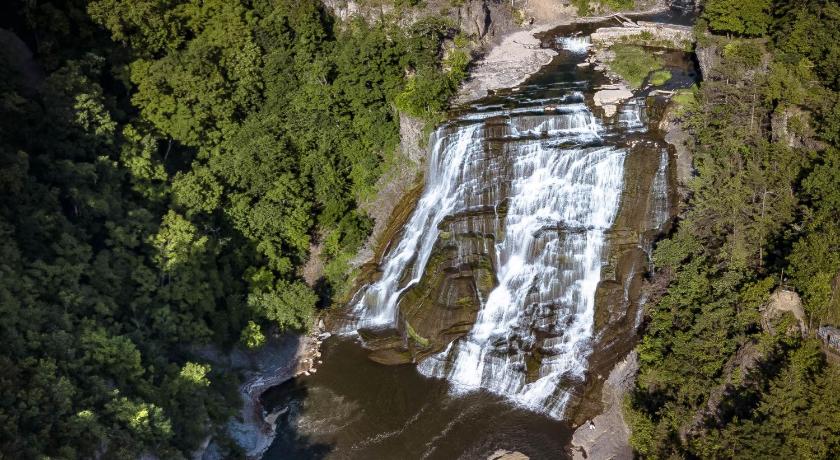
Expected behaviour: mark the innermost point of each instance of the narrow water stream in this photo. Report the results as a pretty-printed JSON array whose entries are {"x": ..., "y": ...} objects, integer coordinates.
[{"x": 491, "y": 286}]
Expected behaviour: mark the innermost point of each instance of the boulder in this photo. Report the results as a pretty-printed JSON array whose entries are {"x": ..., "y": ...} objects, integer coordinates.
[
  {"x": 610, "y": 97},
  {"x": 502, "y": 454}
]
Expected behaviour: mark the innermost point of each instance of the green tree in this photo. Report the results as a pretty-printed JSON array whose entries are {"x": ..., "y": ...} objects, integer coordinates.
[{"x": 750, "y": 18}]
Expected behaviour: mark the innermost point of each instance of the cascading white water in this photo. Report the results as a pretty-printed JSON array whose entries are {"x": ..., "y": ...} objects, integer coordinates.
[
  {"x": 575, "y": 44},
  {"x": 632, "y": 116},
  {"x": 562, "y": 196},
  {"x": 443, "y": 194},
  {"x": 547, "y": 280},
  {"x": 659, "y": 211}
]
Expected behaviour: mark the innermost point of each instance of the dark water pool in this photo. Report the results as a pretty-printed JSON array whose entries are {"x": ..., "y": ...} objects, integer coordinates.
[{"x": 353, "y": 408}]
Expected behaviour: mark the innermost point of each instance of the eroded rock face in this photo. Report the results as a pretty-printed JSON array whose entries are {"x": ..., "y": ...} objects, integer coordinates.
[
  {"x": 443, "y": 306},
  {"x": 474, "y": 17},
  {"x": 607, "y": 436}
]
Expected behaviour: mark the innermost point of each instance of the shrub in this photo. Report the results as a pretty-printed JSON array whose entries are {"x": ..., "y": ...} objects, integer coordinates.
[
  {"x": 660, "y": 77},
  {"x": 634, "y": 64}
]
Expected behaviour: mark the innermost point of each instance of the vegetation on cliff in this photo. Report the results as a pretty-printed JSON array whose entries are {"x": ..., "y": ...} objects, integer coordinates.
[
  {"x": 163, "y": 175},
  {"x": 714, "y": 381}
]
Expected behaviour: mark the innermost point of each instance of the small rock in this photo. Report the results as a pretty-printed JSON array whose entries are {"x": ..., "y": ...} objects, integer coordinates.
[
  {"x": 609, "y": 97},
  {"x": 502, "y": 454},
  {"x": 313, "y": 370}
]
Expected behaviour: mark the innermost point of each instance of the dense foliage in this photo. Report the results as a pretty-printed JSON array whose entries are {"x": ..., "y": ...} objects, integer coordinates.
[
  {"x": 716, "y": 380},
  {"x": 164, "y": 168},
  {"x": 750, "y": 18}
]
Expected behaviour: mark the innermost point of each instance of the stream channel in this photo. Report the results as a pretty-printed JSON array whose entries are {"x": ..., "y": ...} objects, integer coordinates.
[{"x": 513, "y": 286}]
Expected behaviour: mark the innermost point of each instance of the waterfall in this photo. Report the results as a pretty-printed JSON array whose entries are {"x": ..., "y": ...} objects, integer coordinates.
[
  {"x": 632, "y": 117},
  {"x": 575, "y": 44},
  {"x": 659, "y": 211},
  {"x": 546, "y": 295},
  {"x": 560, "y": 184},
  {"x": 443, "y": 193}
]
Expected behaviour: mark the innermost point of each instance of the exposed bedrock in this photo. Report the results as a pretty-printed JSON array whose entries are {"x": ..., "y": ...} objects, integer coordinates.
[
  {"x": 646, "y": 207},
  {"x": 443, "y": 306}
]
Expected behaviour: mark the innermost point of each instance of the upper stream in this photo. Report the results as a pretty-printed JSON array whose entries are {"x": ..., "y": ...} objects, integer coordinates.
[{"x": 517, "y": 273}]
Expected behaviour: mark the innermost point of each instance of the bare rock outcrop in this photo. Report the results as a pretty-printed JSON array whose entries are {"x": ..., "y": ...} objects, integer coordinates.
[
  {"x": 708, "y": 57},
  {"x": 507, "y": 65},
  {"x": 830, "y": 336},
  {"x": 474, "y": 18},
  {"x": 607, "y": 436},
  {"x": 669, "y": 35},
  {"x": 783, "y": 301},
  {"x": 678, "y": 137}
]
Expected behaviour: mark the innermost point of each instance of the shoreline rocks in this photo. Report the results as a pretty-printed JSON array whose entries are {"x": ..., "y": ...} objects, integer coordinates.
[
  {"x": 282, "y": 358},
  {"x": 508, "y": 64},
  {"x": 607, "y": 436}
]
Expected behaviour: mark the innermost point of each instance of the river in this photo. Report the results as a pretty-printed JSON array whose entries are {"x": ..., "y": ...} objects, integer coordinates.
[{"x": 499, "y": 284}]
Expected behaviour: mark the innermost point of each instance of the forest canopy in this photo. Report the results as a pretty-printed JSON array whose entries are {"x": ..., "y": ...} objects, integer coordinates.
[
  {"x": 166, "y": 167},
  {"x": 720, "y": 377}
]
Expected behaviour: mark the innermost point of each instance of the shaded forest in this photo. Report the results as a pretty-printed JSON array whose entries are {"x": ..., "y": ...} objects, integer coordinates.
[
  {"x": 719, "y": 378},
  {"x": 164, "y": 168}
]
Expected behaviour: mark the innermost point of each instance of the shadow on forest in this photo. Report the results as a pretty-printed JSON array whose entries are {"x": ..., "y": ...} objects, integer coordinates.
[{"x": 290, "y": 398}]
